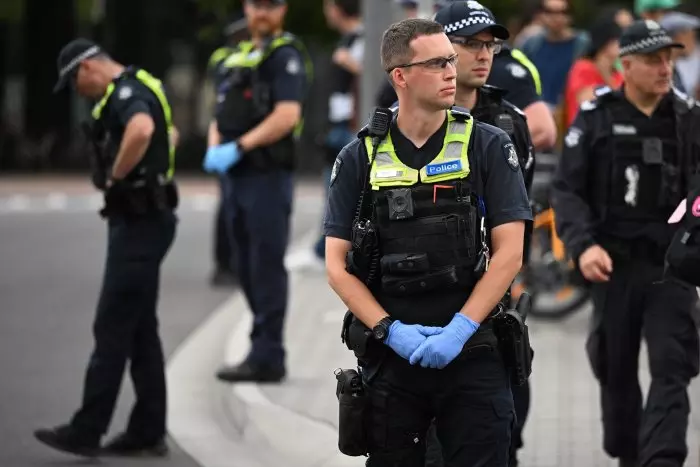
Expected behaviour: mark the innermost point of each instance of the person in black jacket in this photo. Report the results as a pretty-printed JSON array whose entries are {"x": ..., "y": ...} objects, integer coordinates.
[{"x": 626, "y": 165}]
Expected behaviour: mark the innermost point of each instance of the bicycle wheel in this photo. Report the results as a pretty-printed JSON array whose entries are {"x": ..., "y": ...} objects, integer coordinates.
[{"x": 549, "y": 281}]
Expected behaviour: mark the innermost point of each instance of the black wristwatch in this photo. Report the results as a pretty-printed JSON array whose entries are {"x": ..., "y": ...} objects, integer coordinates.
[{"x": 381, "y": 330}]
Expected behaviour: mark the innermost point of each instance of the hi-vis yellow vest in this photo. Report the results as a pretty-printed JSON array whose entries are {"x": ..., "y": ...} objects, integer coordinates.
[
  {"x": 452, "y": 163},
  {"x": 156, "y": 87},
  {"x": 244, "y": 56}
]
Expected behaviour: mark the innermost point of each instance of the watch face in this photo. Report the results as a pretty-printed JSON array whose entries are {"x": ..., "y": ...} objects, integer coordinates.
[{"x": 379, "y": 333}]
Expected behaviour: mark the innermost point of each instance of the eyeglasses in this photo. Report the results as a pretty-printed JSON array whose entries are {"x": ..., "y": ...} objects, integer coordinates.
[
  {"x": 434, "y": 64},
  {"x": 475, "y": 45}
]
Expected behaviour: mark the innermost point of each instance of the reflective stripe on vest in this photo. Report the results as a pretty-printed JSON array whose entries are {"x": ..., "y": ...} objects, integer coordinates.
[
  {"x": 450, "y": 164},
  {"x": 156, "y": 87},
  {"x": 245, "y": 57},
  {"x": 524, "y": 61}
]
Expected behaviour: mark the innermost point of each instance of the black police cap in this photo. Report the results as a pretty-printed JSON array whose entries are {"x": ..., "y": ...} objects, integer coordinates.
[
  {"x": 70, "y": 57},
  {"x": 644, "y": 37},
  {"x": 469, "y": 18}
]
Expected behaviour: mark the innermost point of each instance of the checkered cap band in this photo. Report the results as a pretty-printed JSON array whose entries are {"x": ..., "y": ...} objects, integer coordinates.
[
  {"x": 465, "y": 23},
  {"x": 645, "y": 44}
]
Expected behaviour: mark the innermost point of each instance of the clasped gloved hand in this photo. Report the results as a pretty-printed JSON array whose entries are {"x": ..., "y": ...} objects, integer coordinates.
[
  {"x": 404, "y": 339},
  {"x": 221, "y": 158},
  {"x": 441, "y": 348}
]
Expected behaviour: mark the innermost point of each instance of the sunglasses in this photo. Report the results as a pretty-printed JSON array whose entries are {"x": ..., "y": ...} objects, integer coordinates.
[
  {"x": 435, "y": 64},
  {"x": 475, "y": 45}
]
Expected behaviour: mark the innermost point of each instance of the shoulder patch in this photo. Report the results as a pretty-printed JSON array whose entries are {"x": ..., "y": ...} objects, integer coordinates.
[
  {"x": 511, "y": 156},
  {"x": 573, "y": 137},
  {"x": 588, "y": 105},
  {"x": 603, "y": 90},
  {"x": 293, "y": 66},
  {"x": 337, "y": 165},
  {"x": 125, "y": 92},
  {"x": 516, "y": 70}
]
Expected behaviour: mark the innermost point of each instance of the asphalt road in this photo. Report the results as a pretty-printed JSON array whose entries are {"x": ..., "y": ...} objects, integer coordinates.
[{"x": 52, "y": 262}]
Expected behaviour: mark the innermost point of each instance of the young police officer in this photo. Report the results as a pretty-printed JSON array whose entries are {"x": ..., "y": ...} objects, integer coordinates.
[
  {"x": 251, "y": 143},
  {"x": 626, "y": 164},
  {"x": 432, "y": 178},
  {"x": 139, "y": 201}
]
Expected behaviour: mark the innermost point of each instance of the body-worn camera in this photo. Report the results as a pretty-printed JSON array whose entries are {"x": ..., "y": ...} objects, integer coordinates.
[{"x": 400, "y": 202}]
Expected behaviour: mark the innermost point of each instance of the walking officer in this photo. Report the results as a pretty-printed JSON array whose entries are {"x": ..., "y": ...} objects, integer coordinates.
[
  {"x": 429, "y": 209},
  {"x": 251, "y": 144},
  {"x": 626, "y": 164},
  {"x": 135, "y": 171}
]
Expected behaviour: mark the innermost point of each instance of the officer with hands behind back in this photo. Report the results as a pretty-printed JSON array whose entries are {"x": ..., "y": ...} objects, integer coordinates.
[
  {"x": 135, "y": 170},
  {"x": 251, "y": 144},
  {"x": 442, "y": 198},
  {"x": 626, "y": 164}
]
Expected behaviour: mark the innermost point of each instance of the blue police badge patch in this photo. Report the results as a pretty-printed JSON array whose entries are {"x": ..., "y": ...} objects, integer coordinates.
[
  {"x": 511, "y": 156},
  {"x": 443, "y": 168},
  {"x": 337, "y": 165}
]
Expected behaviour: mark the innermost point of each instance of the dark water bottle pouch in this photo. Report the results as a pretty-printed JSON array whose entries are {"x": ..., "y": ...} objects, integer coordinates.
[{"x": 353, "y": 404}]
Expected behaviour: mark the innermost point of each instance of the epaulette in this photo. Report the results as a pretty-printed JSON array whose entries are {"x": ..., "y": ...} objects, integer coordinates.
[
  {"x": 602, "y": 94},
  {"x": 493, "y": 91},
  {"x": 685, "y": 98},
  {"x": 460, "y": 113}
]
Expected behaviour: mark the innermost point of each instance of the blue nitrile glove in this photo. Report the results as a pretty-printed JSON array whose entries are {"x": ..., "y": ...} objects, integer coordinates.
[
  {"x": 221, "y": 158},
  {"x": 439, "y": 350},
  {"x": 404, "y": 339}
]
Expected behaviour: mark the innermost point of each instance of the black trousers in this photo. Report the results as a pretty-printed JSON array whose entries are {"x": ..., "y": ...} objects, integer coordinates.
[
  {"x": 224, "y": 250},
  {"x": 126, "y": 329},
  {"x": 470, "y": 400},
  {"x": 635, "y": 303}
]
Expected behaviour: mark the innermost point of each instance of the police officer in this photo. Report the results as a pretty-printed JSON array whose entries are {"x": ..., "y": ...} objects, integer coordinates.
[
  {"x": 478, "y": 39},
  {"x": 252, "y": 143},
  {"x": 133, "y": 111},
  {"x": 435, "y": 173},
  {"x": 625, "y": 166}
]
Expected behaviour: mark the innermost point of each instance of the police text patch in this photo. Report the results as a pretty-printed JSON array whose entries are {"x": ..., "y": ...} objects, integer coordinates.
[
  {"x": 443, "y": 168},
  {"x": 337, "y": 165},
  {"x": 511, "y": 156}
]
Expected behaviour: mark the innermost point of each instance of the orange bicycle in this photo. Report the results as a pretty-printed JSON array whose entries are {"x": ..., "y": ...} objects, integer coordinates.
[{"x": 550, "y": 277}]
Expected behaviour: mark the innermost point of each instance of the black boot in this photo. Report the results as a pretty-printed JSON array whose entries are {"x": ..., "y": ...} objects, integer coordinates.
[
  {"x": 127, "y": 445},
  {"x": 65, "y": 438},
  {"x": 253, "y": 373}
]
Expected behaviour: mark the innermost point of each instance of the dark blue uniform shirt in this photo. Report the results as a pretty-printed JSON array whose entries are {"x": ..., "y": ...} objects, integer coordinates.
[
  {"x": 510, "y": 75},
  {"x": 504, "y": 190}
]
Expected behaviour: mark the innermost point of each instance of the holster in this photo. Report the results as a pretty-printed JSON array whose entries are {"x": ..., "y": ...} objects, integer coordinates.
[
  {"x": 514, "y": 340},
  {"x": 352, "y": 412}
]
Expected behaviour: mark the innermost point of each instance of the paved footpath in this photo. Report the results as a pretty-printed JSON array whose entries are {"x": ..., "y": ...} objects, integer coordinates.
[{"x": 299, "y": 418}]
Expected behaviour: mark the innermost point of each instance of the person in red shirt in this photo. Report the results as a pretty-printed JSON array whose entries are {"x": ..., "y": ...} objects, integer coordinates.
[{"x": 596, "y": 68}]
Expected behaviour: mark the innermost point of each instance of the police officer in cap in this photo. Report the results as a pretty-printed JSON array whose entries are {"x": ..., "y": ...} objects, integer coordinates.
[
  {"x": 626, "y": 164},
  {"x": 478, "y": 39},
  {"x": 428, "y": 183},
  {"x": 140, "y": 197},
  {"x": 252, "y": 142}
]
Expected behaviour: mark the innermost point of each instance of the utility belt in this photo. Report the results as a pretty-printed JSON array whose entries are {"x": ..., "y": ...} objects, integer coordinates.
[
  {"x": 139, "y": 199},
  {"x": 504, "y": 330}
]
